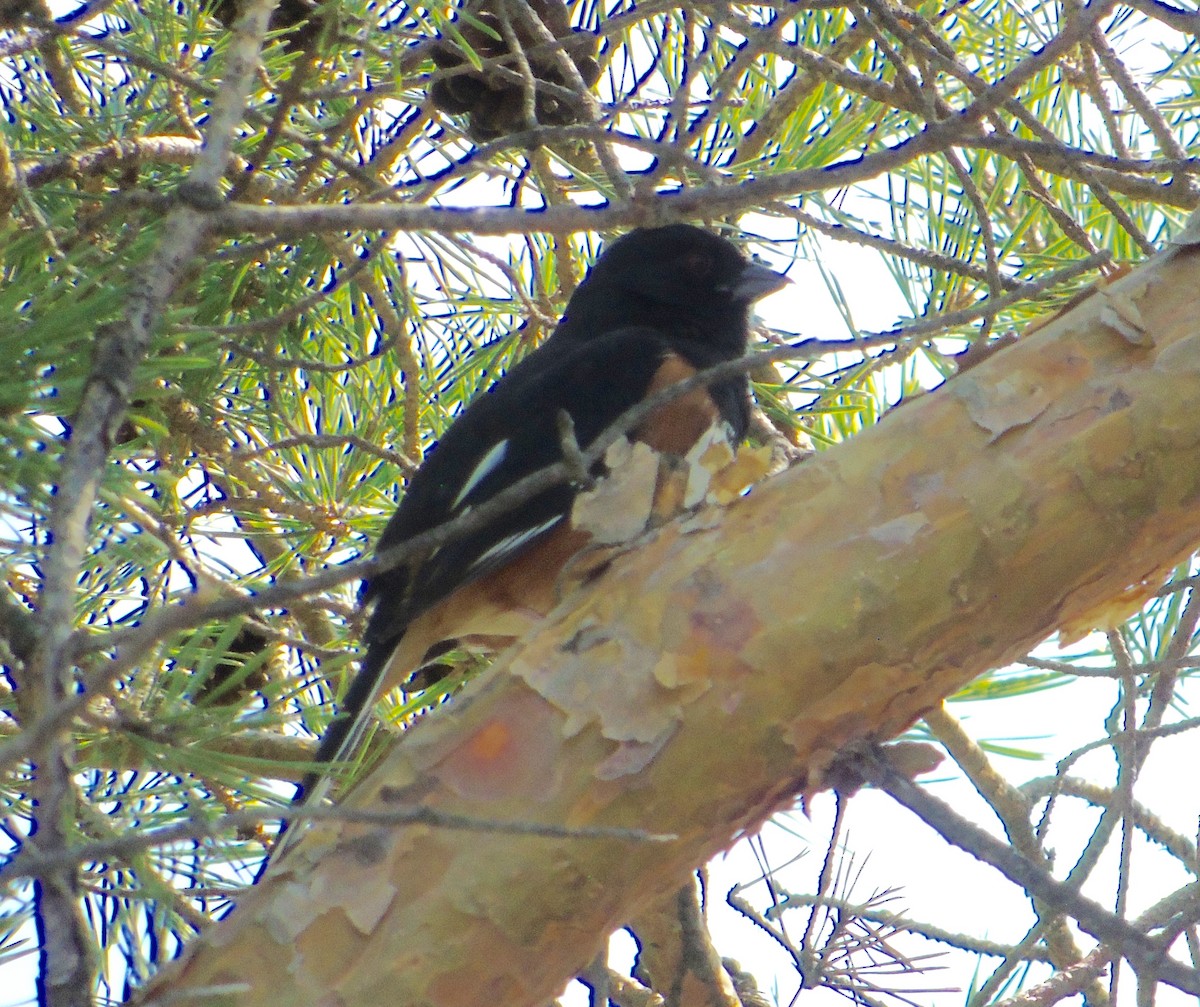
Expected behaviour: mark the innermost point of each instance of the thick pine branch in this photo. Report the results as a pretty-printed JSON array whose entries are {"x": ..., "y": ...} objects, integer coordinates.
[{"x": 713, "y": 673}]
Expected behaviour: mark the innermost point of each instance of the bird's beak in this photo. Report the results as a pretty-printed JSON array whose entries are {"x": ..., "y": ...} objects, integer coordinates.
[{"x": 756, "y": 282}]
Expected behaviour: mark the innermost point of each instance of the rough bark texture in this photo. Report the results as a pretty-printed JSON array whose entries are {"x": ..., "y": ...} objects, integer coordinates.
[{"x": 713, "y": 672}]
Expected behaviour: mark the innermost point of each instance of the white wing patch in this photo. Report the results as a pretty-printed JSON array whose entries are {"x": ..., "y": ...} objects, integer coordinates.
[
  {"x": 511, "y": 543},
  {"x": 487, "y": 465}
]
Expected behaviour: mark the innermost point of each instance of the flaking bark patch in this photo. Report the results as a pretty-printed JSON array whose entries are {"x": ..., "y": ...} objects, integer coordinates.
[{"x": 513, "y": 757}]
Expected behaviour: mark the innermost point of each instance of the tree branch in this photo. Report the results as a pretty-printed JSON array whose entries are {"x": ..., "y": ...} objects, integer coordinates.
[{"x": 836, "y": 601}]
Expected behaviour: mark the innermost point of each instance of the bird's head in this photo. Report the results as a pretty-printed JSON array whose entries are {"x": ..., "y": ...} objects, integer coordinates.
[{"x": 680, "y": 279}]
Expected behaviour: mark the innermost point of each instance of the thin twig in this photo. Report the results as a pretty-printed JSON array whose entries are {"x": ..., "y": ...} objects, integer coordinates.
[
  {"x": 39, "y": 864},
  {"x": 66, "y": 969},
  {"x": 1143, "y": 953}
]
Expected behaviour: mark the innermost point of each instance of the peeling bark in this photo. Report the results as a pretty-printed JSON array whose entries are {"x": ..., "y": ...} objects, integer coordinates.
[{"x": 712, "y": 673}]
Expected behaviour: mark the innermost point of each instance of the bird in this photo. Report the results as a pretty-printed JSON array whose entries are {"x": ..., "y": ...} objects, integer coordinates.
[{"x": 659, "y": 305}]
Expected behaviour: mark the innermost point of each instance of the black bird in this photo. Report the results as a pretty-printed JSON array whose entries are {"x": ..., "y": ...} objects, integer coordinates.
[{"x": 659, "y": 305}]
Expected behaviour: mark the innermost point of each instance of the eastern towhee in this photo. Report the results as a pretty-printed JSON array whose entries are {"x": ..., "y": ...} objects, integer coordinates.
[{"x": 658, "y": 306}]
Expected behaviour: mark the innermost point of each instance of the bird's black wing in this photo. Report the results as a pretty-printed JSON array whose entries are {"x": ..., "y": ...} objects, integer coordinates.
[{"x": 502, "y": 437}]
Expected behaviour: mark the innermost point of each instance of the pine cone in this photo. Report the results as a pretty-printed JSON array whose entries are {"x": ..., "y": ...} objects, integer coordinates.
[{"x": 493, "y": 101}]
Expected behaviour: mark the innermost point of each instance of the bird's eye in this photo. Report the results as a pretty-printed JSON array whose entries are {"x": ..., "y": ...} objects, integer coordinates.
[{"x": 697, "y": 265}]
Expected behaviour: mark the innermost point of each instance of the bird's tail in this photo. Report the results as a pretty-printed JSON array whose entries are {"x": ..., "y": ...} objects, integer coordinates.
[{"x": 341, "y": 738}]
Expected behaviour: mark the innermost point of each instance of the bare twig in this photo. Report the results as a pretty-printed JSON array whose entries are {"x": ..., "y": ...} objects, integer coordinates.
[
  {"x": 1144, "y": 954},
  {"x": 38, "y": 865},
  {"x": 66, "y": 966}
]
